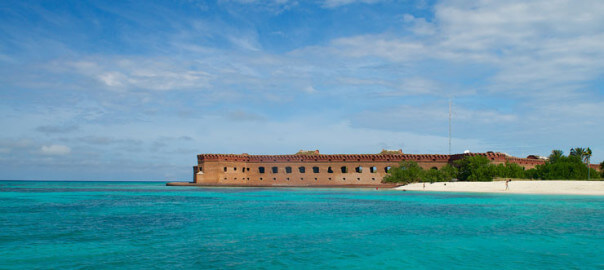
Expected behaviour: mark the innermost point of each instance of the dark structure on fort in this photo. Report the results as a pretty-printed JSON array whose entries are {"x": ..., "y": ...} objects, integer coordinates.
[{"x": 314, "y": 169}]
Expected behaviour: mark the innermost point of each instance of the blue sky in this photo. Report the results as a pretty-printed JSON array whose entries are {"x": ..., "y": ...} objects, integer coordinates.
[{"x": 134, "y": 90}]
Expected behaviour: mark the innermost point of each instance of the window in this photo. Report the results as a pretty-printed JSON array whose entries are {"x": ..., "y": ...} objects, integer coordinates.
[
  {"x": 234, "y": 168},
  {"x": 373, "y": 169},
  {"x": 288, "y": 170},
  {"x": 275, "y": 169},
  {"x": 315, "y": 169},
  {"x": 387, "y": 169},
  {"x": 344, "y": 169},
  {"x": 225, "y": 169},
  {"x": 302, "y": 169},
  {"x": 329, "y": 170},
  {"x": 358, "y": 169},
  {"x": 261, "y": 169},
  {"x": 434, "y": 168}
]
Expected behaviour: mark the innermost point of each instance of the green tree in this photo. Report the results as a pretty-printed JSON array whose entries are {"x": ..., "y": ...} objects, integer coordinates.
[
  {"x": 555, "y": 155},
  {"x": 583, "y": 153},
  {"x": 565, "y": 168},
  {"x": 407, "y": 172},
  {"x": 448, "y": 172},
  {"x": 432, "y": 176},
  {"x": 475, "y": 168},
  {"x": 531, "y": 173}
]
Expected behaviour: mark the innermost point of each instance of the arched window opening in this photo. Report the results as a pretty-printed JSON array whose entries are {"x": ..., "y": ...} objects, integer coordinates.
[
  {"x": 329, "y": 170},
  {"x": 315, "y": 169},
  {"x": 225, "y": 169},
  {"x": 387, "y": 169},
  {"x": 275, "y": 169},
  {"x": 261, "y": 169},
  {"x": 288, "y": 170},
  {"x": 358, "y": 169},
  {"x": 302, "y": 169},
  {"x": 373, "y": 169},
  {"x": 344, "y": 169},
  {"x": 434, "y": 168}
]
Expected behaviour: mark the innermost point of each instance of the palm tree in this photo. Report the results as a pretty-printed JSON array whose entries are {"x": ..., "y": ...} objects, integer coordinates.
[
  {"x": 584, "y": 155},
  {"x": 577, "y": 151},
  {"x": 556, "y": 154},
  {"x": 588, "y": 154},
  {"x": 587, "y": 157}
]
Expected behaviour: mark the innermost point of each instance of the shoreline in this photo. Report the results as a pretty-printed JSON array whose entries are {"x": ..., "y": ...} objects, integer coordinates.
[
  {"x": 553, "y": 187},
  {"x": 189, "y": 184}
]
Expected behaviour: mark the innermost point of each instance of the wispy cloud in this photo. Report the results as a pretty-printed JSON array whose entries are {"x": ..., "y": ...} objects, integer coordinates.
[
  {"x": 55, "y": 149},
  {"x": 48, "y": 129},
  {"x": 337, "y": 3}
]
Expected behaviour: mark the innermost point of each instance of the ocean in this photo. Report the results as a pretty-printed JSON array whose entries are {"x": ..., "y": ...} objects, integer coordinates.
[{"x": 146, "y": 225}]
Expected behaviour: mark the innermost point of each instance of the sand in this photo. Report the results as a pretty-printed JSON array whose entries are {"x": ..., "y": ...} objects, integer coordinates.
[{"x": 519, "y": 187}]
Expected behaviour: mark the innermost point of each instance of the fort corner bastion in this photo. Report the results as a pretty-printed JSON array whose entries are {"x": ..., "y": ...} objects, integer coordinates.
[{"x": 311, "y": 168}]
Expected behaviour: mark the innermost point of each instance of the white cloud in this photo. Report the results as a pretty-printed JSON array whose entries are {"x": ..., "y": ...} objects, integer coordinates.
[
  {"x": 310, "y": 90},
  {"x": 337, "y": 3},
  {"x": 55, "y": 149},
  {"x": 128, "y": 73}
]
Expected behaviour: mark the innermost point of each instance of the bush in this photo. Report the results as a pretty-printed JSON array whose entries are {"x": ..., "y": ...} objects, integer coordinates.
[
  {"x": 475, "y": 168},
  {"x": 479, "y": 168},
  {"x": 560, "y": 167},
  {"x": 410, "y": 171},
  {"x": 407, "y": 172}
]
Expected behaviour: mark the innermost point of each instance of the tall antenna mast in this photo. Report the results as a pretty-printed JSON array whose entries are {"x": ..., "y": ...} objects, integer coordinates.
[{"x": 450, "y": 126}]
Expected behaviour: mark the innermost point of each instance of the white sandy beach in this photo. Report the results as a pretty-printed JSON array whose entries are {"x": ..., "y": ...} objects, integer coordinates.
[{"x": 520, "y": 187}]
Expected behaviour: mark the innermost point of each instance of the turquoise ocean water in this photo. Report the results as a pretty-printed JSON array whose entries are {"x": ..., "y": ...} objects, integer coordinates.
[{"x": 146, "y": 225}]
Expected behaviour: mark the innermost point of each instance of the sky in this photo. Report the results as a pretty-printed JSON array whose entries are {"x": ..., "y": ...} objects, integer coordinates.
[{"x": 134, "y": 90}]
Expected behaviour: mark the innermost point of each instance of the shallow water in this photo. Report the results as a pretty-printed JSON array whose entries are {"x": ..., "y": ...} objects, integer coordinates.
[{"x": 139, "y": 225}]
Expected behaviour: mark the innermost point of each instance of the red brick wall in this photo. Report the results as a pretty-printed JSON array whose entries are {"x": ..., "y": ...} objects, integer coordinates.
[{"x": 244, "y": 169}]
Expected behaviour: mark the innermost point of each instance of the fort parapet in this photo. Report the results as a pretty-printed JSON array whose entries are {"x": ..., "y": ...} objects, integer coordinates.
[{"x": 314, "y": 169}]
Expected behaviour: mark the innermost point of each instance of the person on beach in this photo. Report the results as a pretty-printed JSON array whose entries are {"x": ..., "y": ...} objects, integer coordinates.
[
  {"x": 424, "y": 185},
  {"x": 507, "y": 184}
]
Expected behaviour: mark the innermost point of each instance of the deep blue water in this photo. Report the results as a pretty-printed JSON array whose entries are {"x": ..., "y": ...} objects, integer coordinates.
[{"x": 146, "y": 225}]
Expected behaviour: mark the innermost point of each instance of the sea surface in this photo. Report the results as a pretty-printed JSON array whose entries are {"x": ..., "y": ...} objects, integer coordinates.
[{"x": 146, "y": 225}]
